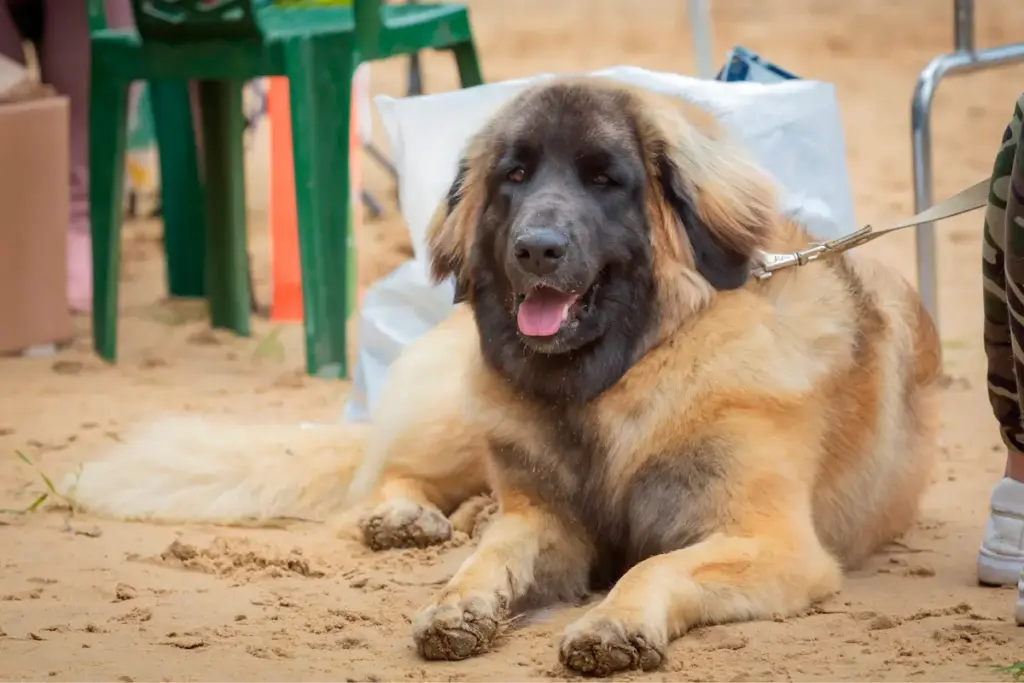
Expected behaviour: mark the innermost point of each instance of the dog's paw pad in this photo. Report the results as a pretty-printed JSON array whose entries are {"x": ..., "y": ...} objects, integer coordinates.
[
  {"x": 602, "y": 646},
  {"x": 404, "y": 524},
  {"x": 457, "y": 627}
]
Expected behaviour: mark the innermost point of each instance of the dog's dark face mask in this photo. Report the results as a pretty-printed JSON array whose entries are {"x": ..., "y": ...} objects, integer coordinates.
[
  {"x": 560, "y": 273},
  {"x": 565, "y": 233}
]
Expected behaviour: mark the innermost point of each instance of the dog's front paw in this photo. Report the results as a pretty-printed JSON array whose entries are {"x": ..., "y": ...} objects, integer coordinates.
[
  {"x": 602, "y": 644},
  {"x": 403, "y": 523},
  {"x": 459, "y": 626}
]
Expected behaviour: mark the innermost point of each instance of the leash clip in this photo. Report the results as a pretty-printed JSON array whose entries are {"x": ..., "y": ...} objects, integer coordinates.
[{"x": 769, "y": 262}]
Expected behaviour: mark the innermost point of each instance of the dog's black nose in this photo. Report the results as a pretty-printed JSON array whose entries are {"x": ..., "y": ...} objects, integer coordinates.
[{"x": 541, "y": 251}]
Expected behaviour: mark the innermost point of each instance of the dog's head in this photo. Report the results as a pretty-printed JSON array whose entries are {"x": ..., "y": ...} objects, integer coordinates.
[{"x": 587, "y": 221}]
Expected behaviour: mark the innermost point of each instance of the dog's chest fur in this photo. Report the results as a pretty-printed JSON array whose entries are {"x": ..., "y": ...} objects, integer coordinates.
[{"x": 655, "y": 503}]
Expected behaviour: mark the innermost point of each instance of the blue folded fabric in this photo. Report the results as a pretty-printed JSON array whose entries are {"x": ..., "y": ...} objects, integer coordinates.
[{"x": 744, "y": 65}]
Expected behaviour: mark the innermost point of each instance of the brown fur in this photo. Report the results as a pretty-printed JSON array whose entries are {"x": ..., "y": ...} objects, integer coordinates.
[
  {"x": 741, "y": 446},
  {"x": 768, "y": 437}
]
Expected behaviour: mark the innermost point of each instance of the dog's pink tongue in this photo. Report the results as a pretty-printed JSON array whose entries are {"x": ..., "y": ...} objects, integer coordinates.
[{"x": 542, "y": 311}]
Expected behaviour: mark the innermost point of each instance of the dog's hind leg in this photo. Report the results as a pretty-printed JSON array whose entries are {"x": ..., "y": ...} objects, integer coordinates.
[
  {"x": 435, "y": 465},
  {"x": 433, "y": 470},
  {"x": 423, "y": 458},
  {"x": 401, "y": 514},
  {"x": 412, "y": 508}
]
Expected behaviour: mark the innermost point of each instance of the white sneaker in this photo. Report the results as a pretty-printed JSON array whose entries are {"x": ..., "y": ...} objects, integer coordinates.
[{"x": 1001, "y": 556}]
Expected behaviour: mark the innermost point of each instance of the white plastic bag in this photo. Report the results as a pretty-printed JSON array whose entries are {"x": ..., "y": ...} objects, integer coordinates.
[
  {"x": 792, "y": 129},
  {"x": 397, "y": 309}
]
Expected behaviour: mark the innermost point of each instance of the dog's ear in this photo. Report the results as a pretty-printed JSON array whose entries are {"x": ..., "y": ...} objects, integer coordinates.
[
  {"x": 725, "y": 205},
  {"x": 449, "y": 234}
]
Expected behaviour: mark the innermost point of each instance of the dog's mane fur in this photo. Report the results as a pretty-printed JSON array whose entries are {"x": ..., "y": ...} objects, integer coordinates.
[{"x": 699, "y": 241}]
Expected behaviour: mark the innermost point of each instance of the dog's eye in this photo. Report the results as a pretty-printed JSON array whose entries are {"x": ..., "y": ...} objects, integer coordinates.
[
  {"x": 517, "y": 175},
  {"x": 601, "y": 179}
]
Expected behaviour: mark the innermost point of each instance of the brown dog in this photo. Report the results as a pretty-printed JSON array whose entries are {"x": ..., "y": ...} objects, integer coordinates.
[{"x": 709, "y": 447}]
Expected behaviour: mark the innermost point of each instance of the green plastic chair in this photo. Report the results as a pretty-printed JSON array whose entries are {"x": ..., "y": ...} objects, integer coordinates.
[
  {"x": 181, "y": 191},
  {"x": 181, "y": 204},
  {"x": 221, "y": 44}
]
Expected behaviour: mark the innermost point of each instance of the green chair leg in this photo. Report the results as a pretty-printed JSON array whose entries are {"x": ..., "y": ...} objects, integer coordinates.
[
  {"x": 320, "y": 72},
  {"x": 468, "y": 64},
  {"x": 108, "y": 136},
  {"x": 181, "y": 190},
  {"x": 227, "y": 260}
]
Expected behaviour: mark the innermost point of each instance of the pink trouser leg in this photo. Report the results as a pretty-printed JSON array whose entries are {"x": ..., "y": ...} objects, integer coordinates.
[{"x": 64, "y": 63}]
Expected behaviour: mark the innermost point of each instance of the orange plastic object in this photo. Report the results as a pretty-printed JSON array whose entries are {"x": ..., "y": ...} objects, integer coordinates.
[
  {"x": 284, "y": 229},
  {"x": 286, "y": 272}
]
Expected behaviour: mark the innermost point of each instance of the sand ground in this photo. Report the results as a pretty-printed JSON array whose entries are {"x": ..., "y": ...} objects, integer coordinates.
[{"x": 88, "y": 599}]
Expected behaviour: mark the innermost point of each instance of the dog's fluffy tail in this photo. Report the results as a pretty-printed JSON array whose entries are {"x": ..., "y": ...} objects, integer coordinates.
[{"x": 203, "y": 469}]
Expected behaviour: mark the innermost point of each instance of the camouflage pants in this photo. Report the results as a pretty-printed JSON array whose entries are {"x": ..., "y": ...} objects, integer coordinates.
[{"x": 1003, "y": 276}]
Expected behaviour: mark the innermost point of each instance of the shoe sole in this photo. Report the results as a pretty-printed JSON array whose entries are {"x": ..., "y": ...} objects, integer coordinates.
[{"x": 999, "y": 570}]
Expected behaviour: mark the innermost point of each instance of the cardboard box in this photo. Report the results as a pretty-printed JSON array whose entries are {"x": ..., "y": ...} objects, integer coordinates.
[{"x": 34, "y": 209}]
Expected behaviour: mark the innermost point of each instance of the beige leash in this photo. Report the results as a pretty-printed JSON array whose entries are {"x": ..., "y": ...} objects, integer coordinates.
[{"x": 974, "y": 197}]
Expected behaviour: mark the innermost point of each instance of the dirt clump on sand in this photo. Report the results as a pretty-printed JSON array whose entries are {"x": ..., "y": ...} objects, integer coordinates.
[{"x": 238, "y": 558}]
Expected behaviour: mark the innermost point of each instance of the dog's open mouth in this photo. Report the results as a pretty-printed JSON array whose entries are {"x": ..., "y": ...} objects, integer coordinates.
[{"x": 544, "y": 311}]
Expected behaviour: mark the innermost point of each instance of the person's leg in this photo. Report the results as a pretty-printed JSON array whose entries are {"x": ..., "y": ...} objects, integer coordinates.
[
  {"x": 1001, "y": 556},
  {"x": 1014, "y": 266},
  {"x": 64, "y": 63},
  {"x": 1014, "y": 465},
  {"x": 10, "y": 38},
  {"x": 1014, "y": 272}
]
